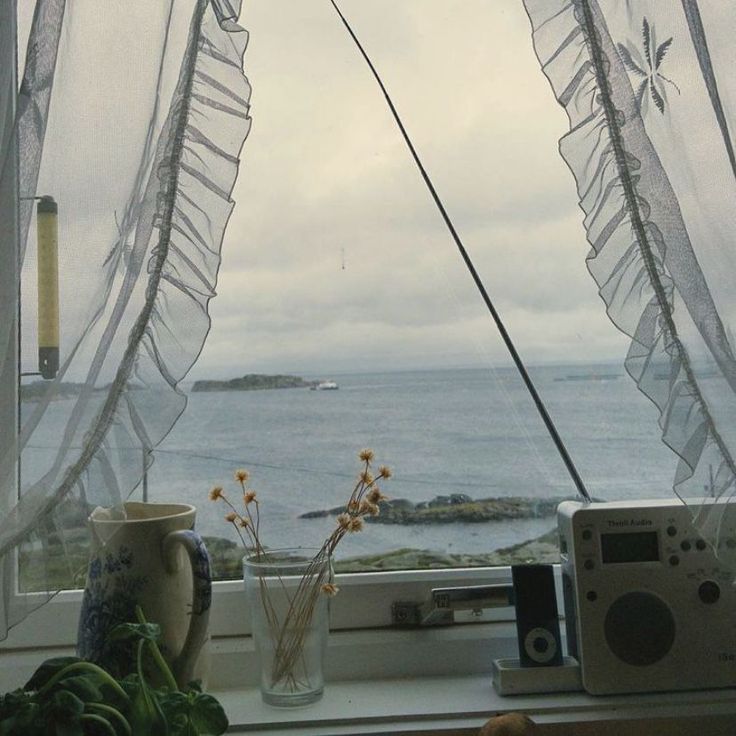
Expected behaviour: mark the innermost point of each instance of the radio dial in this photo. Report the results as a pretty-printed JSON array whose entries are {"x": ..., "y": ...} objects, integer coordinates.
[{"x": 709, "y": 591}]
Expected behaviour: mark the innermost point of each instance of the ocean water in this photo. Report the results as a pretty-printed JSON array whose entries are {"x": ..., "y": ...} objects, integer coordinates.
[{"x": 469, "y": 431}]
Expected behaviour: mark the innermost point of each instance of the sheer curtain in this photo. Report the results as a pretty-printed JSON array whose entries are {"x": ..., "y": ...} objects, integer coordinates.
[
  {"x": 651, "y": 99},
  {"x": 128, "y": 121}
]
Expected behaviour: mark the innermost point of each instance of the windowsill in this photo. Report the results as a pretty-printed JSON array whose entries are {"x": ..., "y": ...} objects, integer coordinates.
[
  {"x": 460, "y": 705},
  {"x": 421, "y": 682}
]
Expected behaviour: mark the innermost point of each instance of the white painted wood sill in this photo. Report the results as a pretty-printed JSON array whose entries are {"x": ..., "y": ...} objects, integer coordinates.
[{"x": 424, "y": 683}]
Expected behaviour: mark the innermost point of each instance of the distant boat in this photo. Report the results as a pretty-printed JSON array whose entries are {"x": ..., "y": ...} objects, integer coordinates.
[{"x": 325, "y": 386}]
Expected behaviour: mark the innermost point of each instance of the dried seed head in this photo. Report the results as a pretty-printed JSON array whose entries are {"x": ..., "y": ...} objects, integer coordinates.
[
  {"x": 329, "y": 589},
  {"x": 368, "y": 507},
  {"x": 231, "y": 517},
  {"x": 249, "y": 497},
  {"x": 366, "y": 455},
  {"x": 384, "y": 472},
  {"x": 241, "y": 475},
  {"x": 375, "y": 495},
  {"x": 216, "y": 493}
]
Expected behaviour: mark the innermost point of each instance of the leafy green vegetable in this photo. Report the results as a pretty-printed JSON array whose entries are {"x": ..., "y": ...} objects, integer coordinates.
[{"x": 67, "y": 696}]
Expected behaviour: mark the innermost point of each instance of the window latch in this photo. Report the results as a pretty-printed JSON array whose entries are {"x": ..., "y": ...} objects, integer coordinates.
[{"x": 443, "y": 603}]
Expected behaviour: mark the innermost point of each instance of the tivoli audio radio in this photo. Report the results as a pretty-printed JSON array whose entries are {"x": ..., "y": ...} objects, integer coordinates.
[{"x": 648, "y": 606}]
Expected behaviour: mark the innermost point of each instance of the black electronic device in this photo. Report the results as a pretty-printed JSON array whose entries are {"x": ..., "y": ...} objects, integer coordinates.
[{"x": 537, "y": 619}]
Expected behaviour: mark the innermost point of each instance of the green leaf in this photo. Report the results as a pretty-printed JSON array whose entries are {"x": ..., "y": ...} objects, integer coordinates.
[
  {"x": 193, "y": 713},
  {"x": 150, "y": 632},
  {"x": 145, "y": 716},
  {"x": 85, "y": 687},
  {"x": 61, "y": 713},
  {"x": 207, "y": 715},
  {"x": 47, "y": 670},
  {"x": 72, "y": 728},
  {"x": 27, "y": 720},
  {"x": 65, "y": 704}
]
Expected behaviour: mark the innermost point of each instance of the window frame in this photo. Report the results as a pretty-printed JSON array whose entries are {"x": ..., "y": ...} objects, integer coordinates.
[{"x": 364, "y": 602}]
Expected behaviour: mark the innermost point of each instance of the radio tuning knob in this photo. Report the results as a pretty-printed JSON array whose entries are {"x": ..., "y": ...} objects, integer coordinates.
[{"x": 709, "y": 591}]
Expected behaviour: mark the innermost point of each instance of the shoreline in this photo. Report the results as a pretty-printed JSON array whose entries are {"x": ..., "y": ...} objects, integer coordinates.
[{"x": 67, "y": 564}]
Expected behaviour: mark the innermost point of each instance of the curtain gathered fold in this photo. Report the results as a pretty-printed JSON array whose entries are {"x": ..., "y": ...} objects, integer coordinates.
[
  {"x": 651, "y": 102},
  {"x": 131, "y": 121}
]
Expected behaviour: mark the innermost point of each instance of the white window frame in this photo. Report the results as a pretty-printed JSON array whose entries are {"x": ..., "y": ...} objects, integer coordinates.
[
  {"x": 364, "y": 602},
  {"x": 9, "y": 265}
]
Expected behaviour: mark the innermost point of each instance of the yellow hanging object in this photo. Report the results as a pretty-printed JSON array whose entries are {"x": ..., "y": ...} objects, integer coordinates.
[{"x": 47, "y": 215}]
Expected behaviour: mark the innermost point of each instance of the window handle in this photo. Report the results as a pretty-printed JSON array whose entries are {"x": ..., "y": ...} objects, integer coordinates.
[{"x": 440, "y": 609}]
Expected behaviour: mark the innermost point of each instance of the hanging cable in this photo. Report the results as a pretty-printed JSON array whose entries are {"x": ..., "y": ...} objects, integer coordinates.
[{"x": 548, "y": 423}]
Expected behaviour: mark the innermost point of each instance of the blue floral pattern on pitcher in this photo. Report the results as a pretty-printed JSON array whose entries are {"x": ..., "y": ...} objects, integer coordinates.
[{"x": 110, "y": 598}]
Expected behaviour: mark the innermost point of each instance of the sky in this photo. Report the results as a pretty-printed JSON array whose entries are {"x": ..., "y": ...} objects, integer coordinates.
[{"x": 335, "y": 258}]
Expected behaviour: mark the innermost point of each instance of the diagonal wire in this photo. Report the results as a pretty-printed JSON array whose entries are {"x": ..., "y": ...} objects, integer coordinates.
[{"x": 541, "y": 408}]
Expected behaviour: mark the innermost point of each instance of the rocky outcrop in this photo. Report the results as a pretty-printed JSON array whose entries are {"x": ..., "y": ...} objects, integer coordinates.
[
  {"x": 453, "y": 508},
  {"x": 253, "y": 382},
  {"x": 227, "y": 557},
  {"x": 543, "y": 549}
]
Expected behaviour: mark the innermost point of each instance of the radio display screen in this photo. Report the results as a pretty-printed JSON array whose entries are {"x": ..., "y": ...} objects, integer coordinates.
[{"x": 630, "y": 547}]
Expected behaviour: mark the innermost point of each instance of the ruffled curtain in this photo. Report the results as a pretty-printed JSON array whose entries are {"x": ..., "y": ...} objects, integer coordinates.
[
  {"x": 129, "y": 120},
  {"x": 649, "y": 91}
]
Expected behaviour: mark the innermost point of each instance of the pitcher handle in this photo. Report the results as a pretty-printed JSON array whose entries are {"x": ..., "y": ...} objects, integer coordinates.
[{"x": 183, "y": 665}]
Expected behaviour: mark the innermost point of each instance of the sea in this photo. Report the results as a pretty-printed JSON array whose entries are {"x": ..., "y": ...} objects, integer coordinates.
[{"x": 461, "y": 431}]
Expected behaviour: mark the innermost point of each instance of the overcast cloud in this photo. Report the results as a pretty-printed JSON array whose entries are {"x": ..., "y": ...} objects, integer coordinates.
[{"x": 326, "y": 178}]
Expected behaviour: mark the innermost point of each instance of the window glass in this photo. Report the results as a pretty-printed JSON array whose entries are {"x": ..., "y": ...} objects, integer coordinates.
[{"x": 338, "y": 268}]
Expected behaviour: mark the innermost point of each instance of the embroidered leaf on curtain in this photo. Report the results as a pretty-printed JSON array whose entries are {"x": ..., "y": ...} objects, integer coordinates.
[
  {"x": 132, "y": 118},
  {"x": 650, "y": 96}
]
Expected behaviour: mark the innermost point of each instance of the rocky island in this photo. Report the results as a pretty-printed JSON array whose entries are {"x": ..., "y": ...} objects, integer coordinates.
[
  {"x": 253, "y": 382},
  {"x": 453, "y": 508}
]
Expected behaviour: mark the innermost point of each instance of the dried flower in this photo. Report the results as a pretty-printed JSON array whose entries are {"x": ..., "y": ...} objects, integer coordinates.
[
  {"x": 369, "y": 507},
  {"x": 375, "y": 495},
  {"x": 289, "y": 634}
]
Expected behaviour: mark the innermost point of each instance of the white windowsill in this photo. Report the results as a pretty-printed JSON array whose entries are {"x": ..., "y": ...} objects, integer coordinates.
[
  {"x": 429, "y": 681},
  {"x": 459, "y": 705}
]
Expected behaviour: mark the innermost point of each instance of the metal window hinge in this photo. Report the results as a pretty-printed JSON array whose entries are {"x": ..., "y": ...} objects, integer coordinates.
[{"x": 440, "y": 609}]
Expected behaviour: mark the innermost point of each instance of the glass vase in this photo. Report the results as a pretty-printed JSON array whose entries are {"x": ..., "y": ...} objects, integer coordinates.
[{"x": 289, "y": 612}]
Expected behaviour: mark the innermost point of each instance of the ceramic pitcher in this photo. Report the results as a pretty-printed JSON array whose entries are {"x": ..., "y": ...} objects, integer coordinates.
[{"x": 152, "y": 558}]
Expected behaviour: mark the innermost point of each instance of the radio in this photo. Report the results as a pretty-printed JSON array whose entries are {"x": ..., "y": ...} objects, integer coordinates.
[{"x": 648, "y": 606}]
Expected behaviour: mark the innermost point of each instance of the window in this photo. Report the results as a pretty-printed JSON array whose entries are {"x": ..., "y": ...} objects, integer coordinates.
[{"x": 337, "y": 267}]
